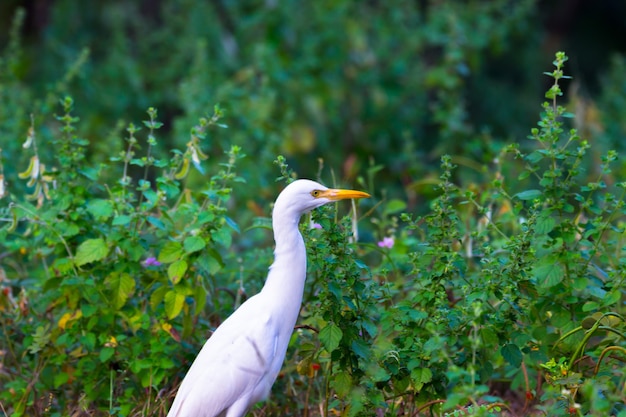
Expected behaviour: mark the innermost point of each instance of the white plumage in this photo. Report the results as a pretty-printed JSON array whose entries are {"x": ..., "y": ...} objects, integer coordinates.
[{"x": 239, "y": 363}]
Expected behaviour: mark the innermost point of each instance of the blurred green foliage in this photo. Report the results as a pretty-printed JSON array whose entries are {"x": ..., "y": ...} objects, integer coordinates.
[{"x": 345, "y": 81}]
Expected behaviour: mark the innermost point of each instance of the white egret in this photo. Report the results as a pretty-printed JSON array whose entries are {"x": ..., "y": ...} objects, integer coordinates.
[{"x": 239, "y": 363}]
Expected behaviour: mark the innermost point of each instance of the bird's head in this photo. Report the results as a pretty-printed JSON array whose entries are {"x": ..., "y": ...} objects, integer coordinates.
[{"x": 302, "y": 196}]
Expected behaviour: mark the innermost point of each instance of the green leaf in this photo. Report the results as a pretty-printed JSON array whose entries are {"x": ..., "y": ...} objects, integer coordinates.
[
  {"x": 193, "y": 244},
  {"x": 590, "y": 306},
  {"x": 40, "y": 339},
  {"x": 200, "y": 296},
  {"x": 91, "y": 250},
  {"x": 151, "y": 198},
  {"x": 534, "y": 157},
  {"x": 361, "y": 265},
  {"x": 121, "y": 220},
  {"x": 223, "y": 237},
  {"x": 489, "y": 337},
  {"x": 177, "y": 270},
  {"x": 512, "y": 354},
  {"x": 122, "y": 286},
  {"x": 88, "y": 341},
  {"x": 528, "y": 195},
  {"x": 341, "y": 383},
  {"x": 421, "y": 376},
  {"x": 549, "y": 273},
  {"x": 156, "y": 222},
  {"x": 230, "y": 222},
  {"x": 67, "y": 229},
  {"x": 378, "y": 373},
  {"x": 612, "y": 297},
  {"x": 172, "y": 251},
  {"x": 545, "y": 224},
  {"x": 88, "y": 310},
  {"x": 100, "y": 209},
  {"x": 60, "y": 378},
  {"x": 361, "y": 348},
  {"x": 212, "y": 263},
  {"x": 330, "y": 336},
  {"x": 62, "y": 265},
  {"x": 174, "y": 301},
  {"x": 106, "y": 353},
  {"x": 157, "y": 297}
]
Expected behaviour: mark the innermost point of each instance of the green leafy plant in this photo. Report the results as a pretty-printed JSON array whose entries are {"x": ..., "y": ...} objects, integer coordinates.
[
  {"x": 116, "y": 269},
  {"x": 491, "y": 283},
  {"x": 499, "y": 278}
]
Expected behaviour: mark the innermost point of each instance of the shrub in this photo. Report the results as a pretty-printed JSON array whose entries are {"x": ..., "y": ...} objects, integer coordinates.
[
  {"x": 102, "y": 279},
  {"x": 511, "y": 287}
]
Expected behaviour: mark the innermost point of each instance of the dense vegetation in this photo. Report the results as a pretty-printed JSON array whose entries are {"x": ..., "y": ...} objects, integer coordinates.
[{"x": 490, "y": 284}]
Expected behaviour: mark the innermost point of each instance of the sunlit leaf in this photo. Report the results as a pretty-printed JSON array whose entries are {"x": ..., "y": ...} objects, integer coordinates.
[
  {"x": 91, "y": 250},
  {"x": 174, "y": 301},
  {"x": 177, "y": 270},
  {"x": 170, "y": 252}
]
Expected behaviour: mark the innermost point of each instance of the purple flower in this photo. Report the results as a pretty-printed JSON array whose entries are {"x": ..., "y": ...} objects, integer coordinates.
[
  {"x": 316, "y": 226},
  {"x": 151, "y": 261},
  {"x": 387, "y": 242}
]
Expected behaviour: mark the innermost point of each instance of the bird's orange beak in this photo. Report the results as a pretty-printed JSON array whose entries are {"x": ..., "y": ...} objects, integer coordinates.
[{"x": 335, "y": 194}]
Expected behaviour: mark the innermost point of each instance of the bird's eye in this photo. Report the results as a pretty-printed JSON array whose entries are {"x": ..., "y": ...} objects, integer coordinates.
[{"x": 315, "y": 193}]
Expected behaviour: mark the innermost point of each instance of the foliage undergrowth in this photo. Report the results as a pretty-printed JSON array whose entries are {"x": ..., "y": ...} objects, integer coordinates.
[
  {"x": 97, "y": 276},
  {"x": 505, "y": 298}
]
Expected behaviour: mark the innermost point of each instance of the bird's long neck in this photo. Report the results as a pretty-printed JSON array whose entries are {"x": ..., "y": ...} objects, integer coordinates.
[{"x": 287, "y": 274}]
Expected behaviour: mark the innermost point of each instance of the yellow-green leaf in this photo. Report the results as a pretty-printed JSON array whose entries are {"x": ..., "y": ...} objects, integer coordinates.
[
  {"x": 172, "y": 251},
  {"x": 122, "y": 286},
  {"x": 421, "y": 376},
  {"x": 157, "y": 297},
  {"x": 174, "y": 302},
  {"x": 91, "y": 250},
  {"x": 176, "y": 270},
  {"x": 184, "y": 170}
]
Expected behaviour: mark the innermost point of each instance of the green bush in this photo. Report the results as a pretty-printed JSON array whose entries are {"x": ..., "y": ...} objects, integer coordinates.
[
  {"x": 501, "y": 285},
  {"x": 101, "y": 275},
  {"x": 502, "y": 297}
]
